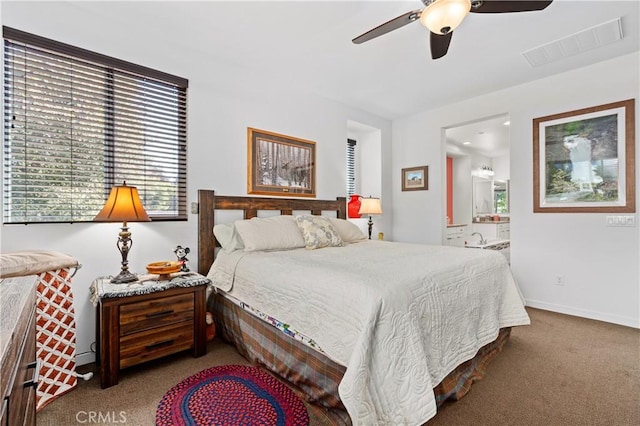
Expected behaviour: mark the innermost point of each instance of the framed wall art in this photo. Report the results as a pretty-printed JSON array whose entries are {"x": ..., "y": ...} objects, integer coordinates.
[
  {"x": 280, "y": 165},
  {"x": 415, "y": 178},
  {"x": 583, "y": 160}
]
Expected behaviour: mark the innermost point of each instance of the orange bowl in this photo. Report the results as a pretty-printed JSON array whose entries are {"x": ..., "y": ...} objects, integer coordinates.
[{"x": 163, "y": 268}]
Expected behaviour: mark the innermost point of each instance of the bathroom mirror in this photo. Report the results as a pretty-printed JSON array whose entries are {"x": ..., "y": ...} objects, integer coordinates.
[
  {"x": 490, "y": 196},
  {"x": 482, "y": 196}
]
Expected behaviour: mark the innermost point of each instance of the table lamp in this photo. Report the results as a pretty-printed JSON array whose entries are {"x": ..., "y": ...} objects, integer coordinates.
[
  {"x": 370, "y": 206},
  {"x": 123, "y": 205}
]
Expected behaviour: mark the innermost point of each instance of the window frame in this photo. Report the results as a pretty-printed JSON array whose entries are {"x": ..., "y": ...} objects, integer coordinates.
[
  {"x": 351, "y": 166},
  {"x": 138, "y": 73}
]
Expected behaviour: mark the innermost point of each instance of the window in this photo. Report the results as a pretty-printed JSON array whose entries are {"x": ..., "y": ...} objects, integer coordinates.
[
  {"x": 77, "y": 123},
  {"x": 351, "y": 167}
]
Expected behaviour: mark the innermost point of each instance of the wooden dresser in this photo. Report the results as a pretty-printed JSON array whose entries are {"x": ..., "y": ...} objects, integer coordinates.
[
  {"x": 137, "y": 328},
  {"x": 19, "y": 377}
]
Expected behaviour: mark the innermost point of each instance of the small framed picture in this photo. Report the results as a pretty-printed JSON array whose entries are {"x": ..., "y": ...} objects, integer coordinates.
[{"x": 415, "y": 178}]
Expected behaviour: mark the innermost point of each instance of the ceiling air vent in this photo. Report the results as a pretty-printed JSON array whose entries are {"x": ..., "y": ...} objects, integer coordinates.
[{"x": 579, "y": 42}]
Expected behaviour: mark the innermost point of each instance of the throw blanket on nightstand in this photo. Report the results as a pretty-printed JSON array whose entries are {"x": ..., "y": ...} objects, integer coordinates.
[{"x": 55, "y": 318}]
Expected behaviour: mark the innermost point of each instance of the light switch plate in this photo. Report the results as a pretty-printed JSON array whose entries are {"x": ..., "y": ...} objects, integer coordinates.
[{"x": 622, "y": 220}]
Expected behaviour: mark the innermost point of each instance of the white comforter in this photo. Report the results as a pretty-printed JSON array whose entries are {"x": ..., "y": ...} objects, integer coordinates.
[{"x": 400, "y": 317}]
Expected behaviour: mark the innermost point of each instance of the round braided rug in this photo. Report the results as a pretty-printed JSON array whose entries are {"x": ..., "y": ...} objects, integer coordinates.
[{"x": 231, "y": 395}]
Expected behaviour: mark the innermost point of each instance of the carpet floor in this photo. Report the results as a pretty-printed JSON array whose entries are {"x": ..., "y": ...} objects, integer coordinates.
[{"x": 560, "y": 370}]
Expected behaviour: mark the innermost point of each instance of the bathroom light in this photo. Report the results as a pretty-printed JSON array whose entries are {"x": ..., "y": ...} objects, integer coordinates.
[
  {"x": 506, "y": 123},
  {"x": 485, "y": 171},
  {"x": 444, "y": 16},
  {"x": 466, "y": 143}
]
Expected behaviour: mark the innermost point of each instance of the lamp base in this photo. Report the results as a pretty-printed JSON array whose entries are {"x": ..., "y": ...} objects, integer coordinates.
[
  {"x": 124, "y": 277},
  {"x": 124, "y": 244}
]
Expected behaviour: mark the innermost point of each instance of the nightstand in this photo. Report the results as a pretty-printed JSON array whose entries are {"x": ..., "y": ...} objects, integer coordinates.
[{"x": 147, "y": 319}]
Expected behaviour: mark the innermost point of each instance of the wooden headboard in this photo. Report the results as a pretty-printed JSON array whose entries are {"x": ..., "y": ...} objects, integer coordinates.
[{"x": 208, "y": 203}]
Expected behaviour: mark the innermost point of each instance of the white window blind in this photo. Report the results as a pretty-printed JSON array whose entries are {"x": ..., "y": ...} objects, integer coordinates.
[
  {"x": 351, "y": 166},
  {"x": 77, "y": 123}
]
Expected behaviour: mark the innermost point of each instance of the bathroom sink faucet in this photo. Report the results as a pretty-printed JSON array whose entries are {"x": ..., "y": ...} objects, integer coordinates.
[{"x": 482, "y": 240}]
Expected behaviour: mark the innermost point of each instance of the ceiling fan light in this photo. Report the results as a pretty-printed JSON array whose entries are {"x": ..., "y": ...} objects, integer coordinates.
[{"x": 443, "y": 16}]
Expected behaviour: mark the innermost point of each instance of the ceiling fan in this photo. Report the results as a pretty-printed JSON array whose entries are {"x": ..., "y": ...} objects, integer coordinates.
[{"x": 441, "y": 17}]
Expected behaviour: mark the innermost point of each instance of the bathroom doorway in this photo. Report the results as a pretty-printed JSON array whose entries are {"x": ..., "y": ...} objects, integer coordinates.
[{"x": 478, "y": 172}]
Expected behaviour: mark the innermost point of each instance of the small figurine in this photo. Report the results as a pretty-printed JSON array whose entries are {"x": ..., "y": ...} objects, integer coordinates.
[{"x": 182, "y": 257}]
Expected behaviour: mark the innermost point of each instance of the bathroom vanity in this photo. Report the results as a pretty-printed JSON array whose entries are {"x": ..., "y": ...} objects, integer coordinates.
[
  {"x": 500, "y": 230},
  {"x": 456, "y": 235}
]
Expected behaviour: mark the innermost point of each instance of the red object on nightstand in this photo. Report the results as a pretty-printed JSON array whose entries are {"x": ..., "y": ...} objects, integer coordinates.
[{"x": 354, "y": 206}]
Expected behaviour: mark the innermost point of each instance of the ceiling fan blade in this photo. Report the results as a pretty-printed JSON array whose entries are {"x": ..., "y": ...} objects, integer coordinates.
[
  {"x": 389, "y": 26},
  {"x": 439, "y": 44},
  {"x": 499, "y": 6}
]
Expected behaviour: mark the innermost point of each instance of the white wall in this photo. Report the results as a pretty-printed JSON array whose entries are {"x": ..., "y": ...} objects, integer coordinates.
[
  {"x": 369, "y": 180},
  {"x": 462, "y": 190},
  {"x": 223, "y": 102},
  {"x": 501, "y": 167},
  {"x": 599, "y": 263}
]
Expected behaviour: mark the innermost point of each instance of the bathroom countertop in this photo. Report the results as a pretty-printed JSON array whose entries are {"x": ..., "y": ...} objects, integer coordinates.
[
  {"x": 493, "y": 221},
  {"x": 454, "y": 225},
  {"x": 490, "y": 244}
]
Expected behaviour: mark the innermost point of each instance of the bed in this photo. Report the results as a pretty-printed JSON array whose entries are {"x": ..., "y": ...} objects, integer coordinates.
[{"x": 372, "y": 332}]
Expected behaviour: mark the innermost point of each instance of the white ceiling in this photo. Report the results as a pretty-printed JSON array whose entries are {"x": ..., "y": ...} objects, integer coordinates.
[
  {"x": 306, "y": 45},
  {"x": 488, "y": 137}
]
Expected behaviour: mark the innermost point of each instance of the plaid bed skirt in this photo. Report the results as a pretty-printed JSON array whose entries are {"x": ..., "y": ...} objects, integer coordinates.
[{"x": 314, "y": 376}]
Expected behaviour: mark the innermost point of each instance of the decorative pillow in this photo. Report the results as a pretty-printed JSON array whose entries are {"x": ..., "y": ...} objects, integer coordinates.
[
  {"x": 272, "y": 233},
  {"x": 318, "y": 232},
  {"x": 228, "y": 237},
  {"x": 348, "y": 231}
]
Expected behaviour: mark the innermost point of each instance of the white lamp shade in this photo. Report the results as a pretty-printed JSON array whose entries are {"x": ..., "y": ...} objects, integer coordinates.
[
  {"x": 370, "y": 206},
  {"x": 444, "y": 16}
]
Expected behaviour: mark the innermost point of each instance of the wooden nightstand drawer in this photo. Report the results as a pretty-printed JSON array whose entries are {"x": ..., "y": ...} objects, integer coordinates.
[
  {"x": 155, "y": 343},
  {"x": 134, "y": 327},
  {"x": 148, "y": 314}
]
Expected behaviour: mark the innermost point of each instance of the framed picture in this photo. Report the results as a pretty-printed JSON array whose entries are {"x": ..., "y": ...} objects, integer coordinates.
[
  {"x": 415, "y": 178},
  {"x": 280, "y": 165},
  {"x": 583, "y": 160}
]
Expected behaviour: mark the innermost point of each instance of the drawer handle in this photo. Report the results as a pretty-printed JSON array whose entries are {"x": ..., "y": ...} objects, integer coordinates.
[
  {"x": 160, "y": 344},
  {"x": 160, "y": 314},
  {"x": 36, "y": 374}
]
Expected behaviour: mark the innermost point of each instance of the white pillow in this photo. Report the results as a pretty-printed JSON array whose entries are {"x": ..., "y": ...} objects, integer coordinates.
[
  {"x": 348, "y": 231},
  {"x": 228, "y": 237},
  {"x": 318, "y": 232},
  {"x": 272, "y": 233}
]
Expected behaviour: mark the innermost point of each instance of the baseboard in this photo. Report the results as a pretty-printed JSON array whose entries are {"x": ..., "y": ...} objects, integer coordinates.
[
  {"x": 85, "y": 358},
  {"x": 600, "y": 316}
]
